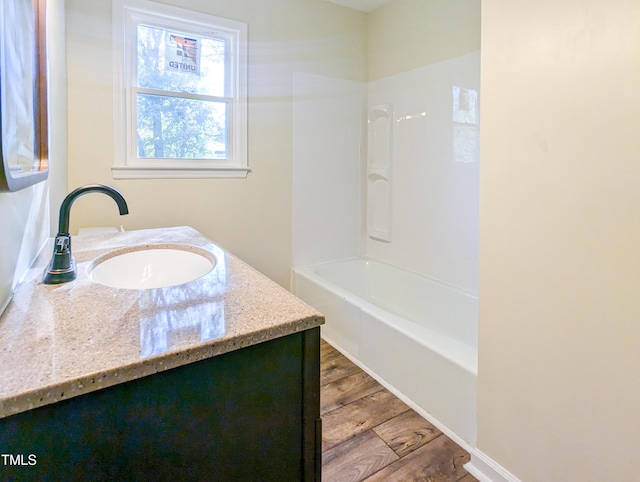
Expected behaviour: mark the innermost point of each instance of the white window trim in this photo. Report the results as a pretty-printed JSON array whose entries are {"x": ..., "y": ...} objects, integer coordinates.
[{"x": 126, "y": 165}]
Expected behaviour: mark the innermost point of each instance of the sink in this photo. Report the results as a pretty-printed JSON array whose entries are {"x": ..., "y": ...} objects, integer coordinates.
[{"x": 151, "y": 266}]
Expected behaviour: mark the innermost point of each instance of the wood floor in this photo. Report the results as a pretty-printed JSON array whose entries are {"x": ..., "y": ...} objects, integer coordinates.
[{"x": 369, "y": 435}]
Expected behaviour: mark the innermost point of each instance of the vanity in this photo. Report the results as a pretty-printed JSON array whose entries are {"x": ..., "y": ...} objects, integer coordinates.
[{"x": 213, "y": 379}]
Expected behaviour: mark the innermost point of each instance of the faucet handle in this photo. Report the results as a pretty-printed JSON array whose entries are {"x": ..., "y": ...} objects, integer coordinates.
[
  {"x": 62, "y": 243},
  {"x": 62, "y": 267}
]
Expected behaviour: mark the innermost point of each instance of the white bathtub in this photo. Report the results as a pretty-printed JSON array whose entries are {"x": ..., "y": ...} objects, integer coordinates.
[{"x": 417, "y": 336}]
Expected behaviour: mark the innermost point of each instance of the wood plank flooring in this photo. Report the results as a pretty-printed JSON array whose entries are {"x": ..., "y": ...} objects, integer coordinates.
[{"x": 369, "y": 435}]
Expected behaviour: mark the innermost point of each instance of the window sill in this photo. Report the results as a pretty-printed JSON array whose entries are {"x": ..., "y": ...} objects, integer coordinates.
[{"x": 136, "y": 172}]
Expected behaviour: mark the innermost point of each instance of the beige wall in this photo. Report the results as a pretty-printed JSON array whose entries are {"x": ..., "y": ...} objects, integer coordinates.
[
  {"x": 559, "y": 357},
  {"x": 251, "y": 217},
  {"x": 407, "y": 34},
  {"x": 24, "y": 215}
]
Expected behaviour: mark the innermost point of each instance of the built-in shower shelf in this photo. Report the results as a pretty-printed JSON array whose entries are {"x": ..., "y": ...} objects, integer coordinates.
[
  {"x": 379, "y": 163},
  {"x": 379, "y": 173}
]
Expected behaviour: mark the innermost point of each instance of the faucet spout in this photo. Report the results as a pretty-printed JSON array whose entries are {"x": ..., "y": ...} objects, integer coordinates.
[
  {"x": 65, "y": 207},
  {"x": 62, "y": 268}
]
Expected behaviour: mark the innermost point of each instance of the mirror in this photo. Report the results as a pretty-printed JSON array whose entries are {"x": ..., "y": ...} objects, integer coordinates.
[{"x": 23, "y": 94}]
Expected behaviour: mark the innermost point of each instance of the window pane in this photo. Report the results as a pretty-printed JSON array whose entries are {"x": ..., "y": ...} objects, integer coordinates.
[
  {"x": 180, "y": 62},
  {"x": 177, "y": 128}
]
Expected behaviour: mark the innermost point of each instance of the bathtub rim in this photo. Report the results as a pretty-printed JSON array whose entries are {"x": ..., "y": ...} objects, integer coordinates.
[
  {"x": 463, "y": 291},
  {"x": 461, "y": 354}
]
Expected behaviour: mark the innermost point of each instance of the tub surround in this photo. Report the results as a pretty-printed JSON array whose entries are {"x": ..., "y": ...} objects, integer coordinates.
[{"x": 61, "y": 341}]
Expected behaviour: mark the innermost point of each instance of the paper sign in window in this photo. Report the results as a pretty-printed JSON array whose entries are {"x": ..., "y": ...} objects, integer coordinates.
[{"x": 182, "y": 54}]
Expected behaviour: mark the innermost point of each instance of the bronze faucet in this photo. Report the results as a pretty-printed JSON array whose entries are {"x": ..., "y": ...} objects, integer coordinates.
[{"x": 62, "y": 267}]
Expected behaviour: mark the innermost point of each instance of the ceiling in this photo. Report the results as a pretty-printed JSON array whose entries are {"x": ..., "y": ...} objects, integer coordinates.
[{"x": 363, "y": 5}]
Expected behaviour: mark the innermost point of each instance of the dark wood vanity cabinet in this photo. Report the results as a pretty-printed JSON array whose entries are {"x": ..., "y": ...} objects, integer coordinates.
[{"x": 247, "y": 415}]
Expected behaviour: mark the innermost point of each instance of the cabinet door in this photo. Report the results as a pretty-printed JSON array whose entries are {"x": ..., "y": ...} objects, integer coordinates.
[{"x": 246, "y": 415}]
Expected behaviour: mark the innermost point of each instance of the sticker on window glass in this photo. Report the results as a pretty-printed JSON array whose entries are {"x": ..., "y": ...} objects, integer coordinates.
[{"x": 182, "y": 54}]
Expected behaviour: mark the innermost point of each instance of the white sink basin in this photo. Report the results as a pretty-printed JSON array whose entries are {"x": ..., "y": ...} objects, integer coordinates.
[{"x": 151, "y": 266}]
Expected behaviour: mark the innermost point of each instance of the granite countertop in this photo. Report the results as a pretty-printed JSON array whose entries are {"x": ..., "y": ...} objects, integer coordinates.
[{"x": 60, "y": 341}]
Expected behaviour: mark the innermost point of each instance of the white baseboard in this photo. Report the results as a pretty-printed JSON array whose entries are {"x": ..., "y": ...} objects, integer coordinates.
[{"x": 485, "y": 469}]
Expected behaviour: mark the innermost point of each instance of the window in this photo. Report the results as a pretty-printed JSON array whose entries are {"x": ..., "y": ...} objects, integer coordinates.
[
  {"x": 466, "y": 136},
  {"x": 180, "y": 93}
]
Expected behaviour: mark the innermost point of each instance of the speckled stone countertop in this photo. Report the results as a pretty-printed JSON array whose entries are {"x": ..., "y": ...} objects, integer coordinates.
[{"x": 60, "y": 341}]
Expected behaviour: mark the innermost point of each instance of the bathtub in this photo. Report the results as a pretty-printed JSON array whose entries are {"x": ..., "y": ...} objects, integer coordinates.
[{"x": 416, "y": 336}]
